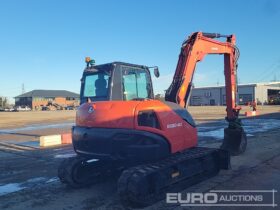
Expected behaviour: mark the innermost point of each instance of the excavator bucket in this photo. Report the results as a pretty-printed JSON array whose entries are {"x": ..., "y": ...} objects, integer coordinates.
[{"x": 235, "y": 140}]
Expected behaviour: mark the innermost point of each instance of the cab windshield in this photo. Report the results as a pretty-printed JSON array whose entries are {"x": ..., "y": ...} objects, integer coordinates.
[{"x": 96, "y": 86}]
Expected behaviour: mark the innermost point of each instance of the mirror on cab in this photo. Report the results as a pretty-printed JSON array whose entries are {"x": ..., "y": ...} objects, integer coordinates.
[{"x": 156, "y": 72}]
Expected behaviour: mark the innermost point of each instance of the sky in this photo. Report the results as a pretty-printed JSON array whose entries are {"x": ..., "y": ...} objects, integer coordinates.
[{"x": 43, "y": 43}]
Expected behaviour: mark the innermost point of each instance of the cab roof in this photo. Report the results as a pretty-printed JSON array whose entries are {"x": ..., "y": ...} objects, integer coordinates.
[{"x": 108, "y": 66}]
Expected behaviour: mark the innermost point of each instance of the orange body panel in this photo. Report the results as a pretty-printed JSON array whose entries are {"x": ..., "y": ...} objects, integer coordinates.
[
  {"x": 178, "y": 132},
  {"x": 107, "y": 114},
  {"x": 123, "y": 114}
]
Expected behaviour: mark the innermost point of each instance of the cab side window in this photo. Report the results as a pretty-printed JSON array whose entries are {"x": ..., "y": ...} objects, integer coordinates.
[
  {"x": 129, "y": 86},
  {"x": 135, "y": 83}
]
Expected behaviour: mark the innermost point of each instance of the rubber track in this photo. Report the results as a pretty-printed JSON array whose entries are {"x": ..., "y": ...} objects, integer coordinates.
[{"x": 129, "y": 180}]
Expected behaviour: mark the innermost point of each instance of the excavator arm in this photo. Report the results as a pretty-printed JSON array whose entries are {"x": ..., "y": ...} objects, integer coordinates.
[{"x": 193, "y": 50}]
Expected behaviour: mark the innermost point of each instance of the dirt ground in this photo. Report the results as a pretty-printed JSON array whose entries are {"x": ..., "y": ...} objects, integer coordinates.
[
  {"x": 17, "y": 119},
  {"x": 217, "y": 112},
  {"x": 28, "y": 173}
]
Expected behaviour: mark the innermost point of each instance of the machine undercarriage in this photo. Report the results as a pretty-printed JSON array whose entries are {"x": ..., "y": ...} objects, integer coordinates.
[{"x": 144, "y": 184}]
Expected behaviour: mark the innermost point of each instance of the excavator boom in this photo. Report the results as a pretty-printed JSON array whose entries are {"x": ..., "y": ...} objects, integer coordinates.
[{"x": 193, "y": 50}]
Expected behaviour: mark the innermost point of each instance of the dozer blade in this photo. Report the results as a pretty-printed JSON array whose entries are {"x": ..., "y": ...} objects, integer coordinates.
[
  {"x": 235, "y": 141},
  {"x": 144, "y": 185},
  {"x": 79, "y": 172}
]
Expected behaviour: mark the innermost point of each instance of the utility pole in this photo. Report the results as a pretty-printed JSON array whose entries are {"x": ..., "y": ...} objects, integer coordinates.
[
  {"x": 22, "y": 89},
  {"x": 274, "y": 78}
]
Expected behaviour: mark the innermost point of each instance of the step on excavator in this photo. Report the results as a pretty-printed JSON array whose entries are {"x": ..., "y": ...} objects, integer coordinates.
[{"x": 120, "y": 127}]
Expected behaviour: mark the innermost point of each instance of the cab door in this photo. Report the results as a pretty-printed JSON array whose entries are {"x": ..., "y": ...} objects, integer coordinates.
[{"x": 136, "y": 83}]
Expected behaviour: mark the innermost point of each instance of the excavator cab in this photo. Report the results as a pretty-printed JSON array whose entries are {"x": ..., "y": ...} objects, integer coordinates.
[{"x": 116, "y": 81}]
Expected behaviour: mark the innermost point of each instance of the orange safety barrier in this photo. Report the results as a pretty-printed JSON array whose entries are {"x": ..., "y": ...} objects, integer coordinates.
[
  {"x": 251, "y": 113},
  {"x": 66, "y": 138}
]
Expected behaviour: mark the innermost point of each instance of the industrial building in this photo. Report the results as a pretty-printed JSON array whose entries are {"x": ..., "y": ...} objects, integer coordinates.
[
  {"x": 36, "y": 99},
  {"x": 262, "y": 93}
]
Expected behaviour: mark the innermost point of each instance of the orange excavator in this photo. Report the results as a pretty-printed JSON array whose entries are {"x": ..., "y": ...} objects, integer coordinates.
[{"x": 120, "y": 127}]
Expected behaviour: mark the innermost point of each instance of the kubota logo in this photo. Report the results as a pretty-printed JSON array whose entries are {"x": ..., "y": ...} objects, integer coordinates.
[{"x": 90, "y": 109}]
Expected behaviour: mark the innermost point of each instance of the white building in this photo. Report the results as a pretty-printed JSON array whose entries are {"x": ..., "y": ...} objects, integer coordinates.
[{"x": 261, "y": 92}]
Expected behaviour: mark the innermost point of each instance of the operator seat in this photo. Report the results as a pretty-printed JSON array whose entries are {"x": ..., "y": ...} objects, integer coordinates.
[{"x": 100, "y": 86}]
